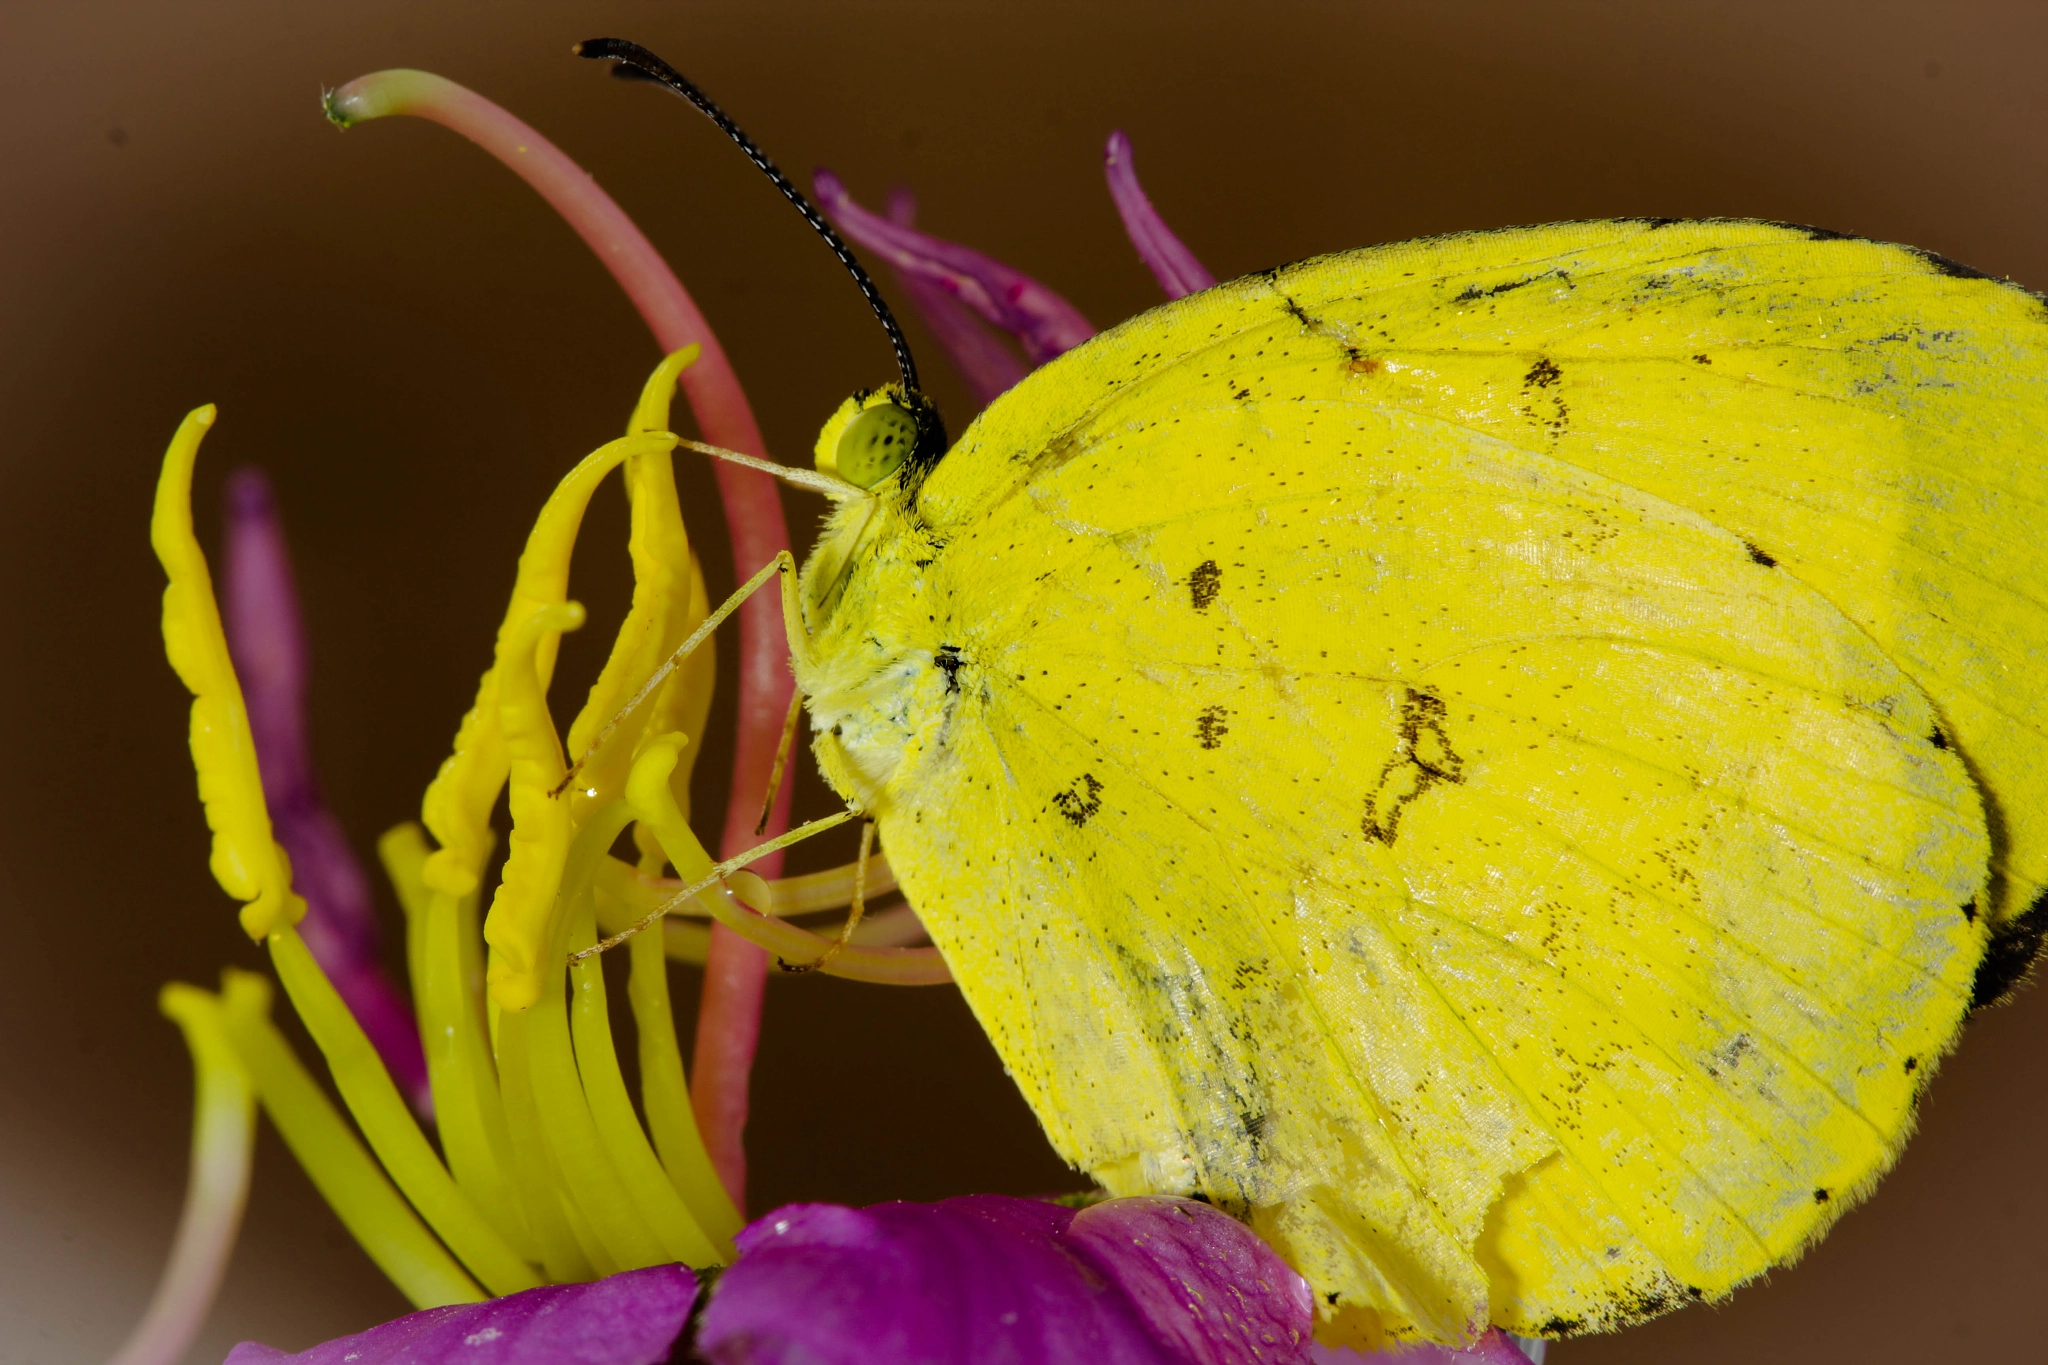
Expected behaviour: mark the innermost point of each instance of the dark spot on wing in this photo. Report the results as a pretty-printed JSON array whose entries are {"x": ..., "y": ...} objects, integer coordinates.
[
  {"x": 1362, "y": 364},
  {"x": 1969, "y": 912},
  {"x": 1079, "y": 801},
  {"x": 1730, "y": 1055},
  {"x": 1204, "y": 583},
  {"x": 1912, "y": 1065},
  {"x": 1757, "y": 556},
  {"x": 1210, "y": 727},
  {"x": 1475, "y": 292},
  {"x": 1820, "y": 1196},
  {"x": 1937, "y": 738},
  {"x": 1423, "y": 759},
  {"x": 2014, "y": 946},
  {"x": 1539, "y": 388},
  {"x": 1701, "y": 359},
  {"x": 948, "y": 661}
]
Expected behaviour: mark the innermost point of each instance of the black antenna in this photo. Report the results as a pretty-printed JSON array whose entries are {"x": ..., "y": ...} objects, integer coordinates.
[{"x": 637, "y": 62}]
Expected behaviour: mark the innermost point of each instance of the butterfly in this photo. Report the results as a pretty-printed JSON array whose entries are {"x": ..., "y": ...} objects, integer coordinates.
[{"x": 1503, "y": 760}]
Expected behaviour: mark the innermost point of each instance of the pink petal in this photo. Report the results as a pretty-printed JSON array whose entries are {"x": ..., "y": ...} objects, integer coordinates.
[
  {"x": 1495, "y": 1348},
  {"x": 629, "y": 1319},
  {"x": 990, "y": 1278},
  {"x": 1171, "y": 263},
  {"x": 988, "y": 365},
  {"x": 1044, "y": 322}
]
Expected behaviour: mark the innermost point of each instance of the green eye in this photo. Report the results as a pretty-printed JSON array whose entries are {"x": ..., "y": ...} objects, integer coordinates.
[{"x": 878, "y": 440}]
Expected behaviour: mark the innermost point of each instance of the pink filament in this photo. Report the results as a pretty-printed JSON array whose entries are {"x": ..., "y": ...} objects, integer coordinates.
[{"x": 729, "y": 1017}]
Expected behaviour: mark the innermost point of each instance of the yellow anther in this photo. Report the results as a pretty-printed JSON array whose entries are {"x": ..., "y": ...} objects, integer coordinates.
[
  {"x": 651, "y": 413},
  {"x": 457, "y": 808},
  {"x": 246, "y": 859},
  {"x": 521, "y": 919}
]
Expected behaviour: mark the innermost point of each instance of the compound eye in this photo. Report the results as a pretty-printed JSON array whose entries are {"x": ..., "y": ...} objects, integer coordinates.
[{"x": 875, "y": 443}]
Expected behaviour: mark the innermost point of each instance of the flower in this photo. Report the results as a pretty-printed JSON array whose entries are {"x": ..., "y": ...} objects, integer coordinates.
[
  {"x": 553, "y": 1222},
  {"x": 1141, "y": 1281}
]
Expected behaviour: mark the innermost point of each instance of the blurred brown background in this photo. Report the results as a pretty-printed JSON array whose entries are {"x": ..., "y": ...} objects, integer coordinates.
[{"x": 414, "y": 348}]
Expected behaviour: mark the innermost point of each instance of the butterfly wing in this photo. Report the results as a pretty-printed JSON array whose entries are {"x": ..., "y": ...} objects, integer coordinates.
[
  {"x": 1865, "y": 415},
  {"x": 1523, "y": 893}
]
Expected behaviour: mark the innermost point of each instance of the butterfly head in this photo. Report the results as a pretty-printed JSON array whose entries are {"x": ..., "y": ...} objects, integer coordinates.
[{"x": 879, "y": 435}]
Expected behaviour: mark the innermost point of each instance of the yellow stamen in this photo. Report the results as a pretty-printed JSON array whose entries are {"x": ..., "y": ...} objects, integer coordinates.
[
  {"x": 223, "y": 1132},
  {"x": 389, "y": 1125},
  {"x": 447, "y": 981},
  {"x": 457, "y": 808},
  {"x": 246, "y": 860},
  {"x": 346, "y": 1176}
]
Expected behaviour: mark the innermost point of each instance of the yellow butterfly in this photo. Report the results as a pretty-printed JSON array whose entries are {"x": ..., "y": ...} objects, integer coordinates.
[
  {"x": 1503, "y": 760},
  {"x": 1498, "y": 759}
]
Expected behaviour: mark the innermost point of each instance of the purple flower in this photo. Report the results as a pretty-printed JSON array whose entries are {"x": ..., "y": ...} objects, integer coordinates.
[
  {"x": 960, "y": 293},
  {"x": 630, "y": 1319},
  {"x": 261, "y": 614},
  {"x": 988, "y": 1278},
  {"x": 985, "y": 1278}
]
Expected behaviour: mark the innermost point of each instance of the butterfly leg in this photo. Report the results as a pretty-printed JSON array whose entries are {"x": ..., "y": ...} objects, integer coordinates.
[
  {"x": 854, "y": 912},
  {"x": 782, "y": 748},
  {"x": 783, "y": 566}
]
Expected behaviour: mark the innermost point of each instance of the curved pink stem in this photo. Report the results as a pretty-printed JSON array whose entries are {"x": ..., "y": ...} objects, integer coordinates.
[
  {"x": 729, "y": 1018},
  {"x": 1169, "y": 260}
]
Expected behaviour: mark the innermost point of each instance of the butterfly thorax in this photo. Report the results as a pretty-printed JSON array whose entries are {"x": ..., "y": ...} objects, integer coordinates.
[{"x": 878, "y": 678}]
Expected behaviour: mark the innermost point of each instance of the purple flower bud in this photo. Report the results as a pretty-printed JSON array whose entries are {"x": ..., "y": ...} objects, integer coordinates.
[
  {"x": 1044, "y": 322},
  {"x": 1150, "y": 1281},
  {"x": 261, "y": 610},
  {"x": 1170, "y": 262},
  {"x": 629, "y": 1319}
]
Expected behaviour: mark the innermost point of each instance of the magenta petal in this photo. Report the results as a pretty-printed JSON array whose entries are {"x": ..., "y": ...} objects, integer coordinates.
[
  {"x": 1495, "y": 1348},
  {"x": 629, "y": 1319},
  {"x": 990, "y": 1278},
  {"x": 1169, "y": 260},
  {"x": 1044, "y": 322},
  {"x": 268, "y": 644},
  {"x": 1210, "y": 1288},
  {"x": 984, "y": 360}
]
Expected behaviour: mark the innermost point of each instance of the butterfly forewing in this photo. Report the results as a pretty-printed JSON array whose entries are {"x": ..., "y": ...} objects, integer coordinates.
[{"x": 1392, "y": 785}]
